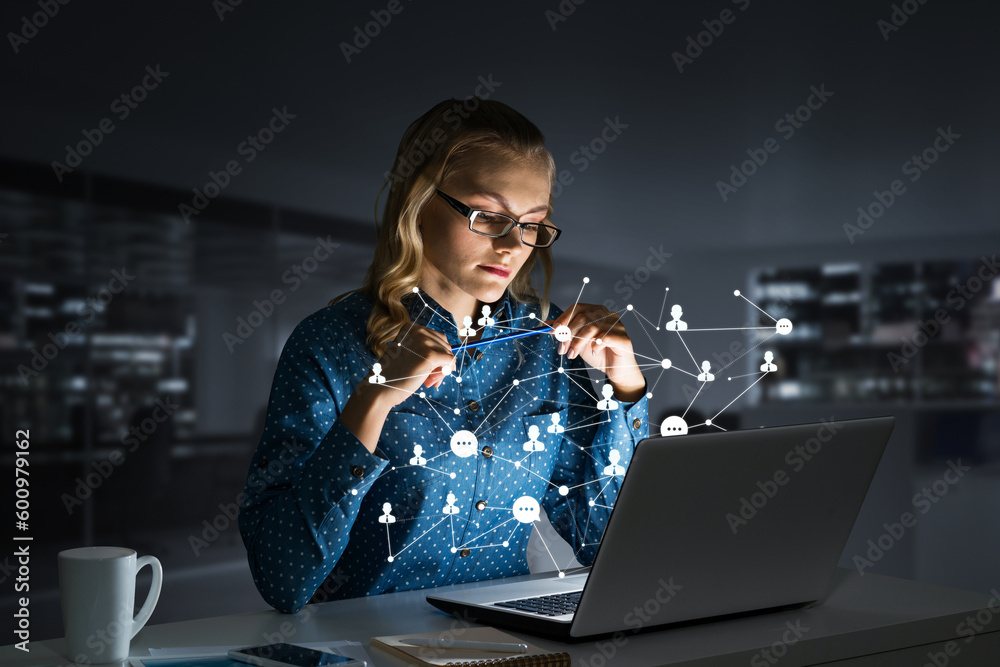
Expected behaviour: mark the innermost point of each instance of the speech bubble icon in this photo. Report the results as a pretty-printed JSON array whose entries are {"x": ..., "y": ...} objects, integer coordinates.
[
  {"x": 526, "y": 509},
  {"x": 464, "y": 443},
  {"x": 673, "y": 426},
  {"x": 562, "y": 333},
  {"x": 783, "y": 326}
]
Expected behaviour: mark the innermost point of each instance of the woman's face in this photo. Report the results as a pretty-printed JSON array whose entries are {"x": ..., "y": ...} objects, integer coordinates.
[{"x": 460, "y": 263}]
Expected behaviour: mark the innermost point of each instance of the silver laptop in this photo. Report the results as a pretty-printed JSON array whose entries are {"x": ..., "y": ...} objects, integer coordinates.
[{"x": 705, "y": 525}]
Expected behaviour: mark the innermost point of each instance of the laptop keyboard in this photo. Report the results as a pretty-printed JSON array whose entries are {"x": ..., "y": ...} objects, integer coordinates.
[{"x": 545, "y": 605}]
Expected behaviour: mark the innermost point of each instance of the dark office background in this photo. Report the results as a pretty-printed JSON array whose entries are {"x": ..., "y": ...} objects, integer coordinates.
[{"x": 885, "y": 81}]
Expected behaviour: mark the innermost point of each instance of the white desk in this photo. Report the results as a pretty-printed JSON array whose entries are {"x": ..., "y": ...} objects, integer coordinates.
[{"x": 866, "y": 621}]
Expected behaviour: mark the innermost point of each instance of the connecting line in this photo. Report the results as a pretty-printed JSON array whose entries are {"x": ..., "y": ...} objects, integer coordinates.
[
  {"x": 554, "y": 563},
  {"x": 387, "y": 541},
  {"x": 763, "y": 375},
  {"x": 653, "y": 388},
  {"x": 693, "y": 399},
  {"x": 487, "y": 417},
  {"x": 505, "y": 521},
  {"x": 448, "y": 320},
  {"x": 440, "y": 417},
  {"x": 755, "y": 306},
  {"x": 688, "y": 349},
  {"x": 662, "y": 306},
  {"x": 648, "y": 335},
  {"x": 732, "y": 328},
  {"x": 420, "y": 536},
  {"x": 571, "y": 312}
]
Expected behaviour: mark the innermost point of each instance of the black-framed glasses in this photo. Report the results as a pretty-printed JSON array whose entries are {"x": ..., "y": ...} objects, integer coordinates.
[{"x": 496, "y": 225}]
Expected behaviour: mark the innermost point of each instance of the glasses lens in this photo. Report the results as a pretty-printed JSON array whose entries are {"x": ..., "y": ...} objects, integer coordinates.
[
  {"x": 492, "y": 224},
  {"x": 537, "y": 235}
]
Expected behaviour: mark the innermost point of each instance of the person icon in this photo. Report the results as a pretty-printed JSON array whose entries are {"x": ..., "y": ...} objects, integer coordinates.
[
  {"x": 377, "y": 377},
  {"x": 555, "y": 427},
  {"x": 467, "y": 331},
  {"x": 534, "y": 444},
  {"x": 704, "y": 375},
  {"x": 767, "y": 366},
  {"x": 387, "y": 516},
  {"x": 607, "y": 403},
  {"x": 486, "y": 320},
  {"x": 450, "y": 507},
  {"x": 418, "y": 459},
  {"x": 676, "y": 324},
  {"x": 614, "y": 469}
]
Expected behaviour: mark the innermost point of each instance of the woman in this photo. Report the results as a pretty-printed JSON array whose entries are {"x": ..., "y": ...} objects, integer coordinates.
[{"x": 373, "y": 421}]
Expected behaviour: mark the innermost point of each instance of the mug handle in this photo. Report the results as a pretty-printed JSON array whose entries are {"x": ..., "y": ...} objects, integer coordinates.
[{"x": 154, "y": 592}]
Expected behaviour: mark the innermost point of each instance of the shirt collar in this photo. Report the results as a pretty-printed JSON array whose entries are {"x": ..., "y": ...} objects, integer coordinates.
[{"x": 434, "y": 316}]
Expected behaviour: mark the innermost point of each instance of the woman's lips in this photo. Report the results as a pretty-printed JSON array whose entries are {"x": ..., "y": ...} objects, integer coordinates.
[{"x": 495, "y": 270}]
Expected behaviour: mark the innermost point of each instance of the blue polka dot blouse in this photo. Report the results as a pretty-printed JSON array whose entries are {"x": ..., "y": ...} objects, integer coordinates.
[{"x": 460, "y": 473}]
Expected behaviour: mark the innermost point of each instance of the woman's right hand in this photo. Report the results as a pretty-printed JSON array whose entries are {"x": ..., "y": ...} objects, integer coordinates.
[{"x": 423, "y": 357}]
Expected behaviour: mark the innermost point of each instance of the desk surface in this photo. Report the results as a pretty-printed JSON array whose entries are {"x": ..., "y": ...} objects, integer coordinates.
[{"x": 862, "y": 616}]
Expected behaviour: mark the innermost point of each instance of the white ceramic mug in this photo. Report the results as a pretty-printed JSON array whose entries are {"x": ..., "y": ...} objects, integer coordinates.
[{"x": 97, "y": 586}]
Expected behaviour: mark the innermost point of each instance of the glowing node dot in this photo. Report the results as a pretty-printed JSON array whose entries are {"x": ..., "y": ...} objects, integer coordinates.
[
  {"x": 665, "y": 363},
  {"x": 517, "y": 464},
  {"x": 628, "y": 307},
  {"x": 454, "y": 550},
  {"x": 562, "y": 574},
  {"x": 457, "y": 411},
  {"x": 391, "y": 558},
  {"x": 736, "y": 292},
  {"x": 506, "y": 543},
  {"x": 598, "y": 341},
  {"x": 591, "y": 503},
  {"x": 729, "y": 378},
  {"x": 354, "y": 492},
  {"x": 458, "y": 379},
  {"x": 563, "y": 490},
  {"x": 649, "y": 395},
  {"x": 516, "y": 382},
  {"x": 453, "y": 475},
  {"x": 392, "y": 468},
  {"x": 586, "y": 280},
  {"x": 446, "y": 370},
  {"x": 423, "y": 394},
  {"x": 708, "y": 422},
  {"x": 531, "y": 315},
  {"x": 416, "y": 289},
  {"x": 562, "y": 370}
]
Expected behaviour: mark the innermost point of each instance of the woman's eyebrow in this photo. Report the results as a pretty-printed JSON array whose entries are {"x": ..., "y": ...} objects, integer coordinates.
[{"x": 500, "y": 199}]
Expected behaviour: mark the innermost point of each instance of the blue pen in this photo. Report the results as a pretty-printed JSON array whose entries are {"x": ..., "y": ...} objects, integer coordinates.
[{"x": 497, "y": 339}]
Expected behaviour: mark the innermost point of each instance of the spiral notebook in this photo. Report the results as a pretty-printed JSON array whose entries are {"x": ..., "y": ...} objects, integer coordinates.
[{"x": 422, "y": 655}]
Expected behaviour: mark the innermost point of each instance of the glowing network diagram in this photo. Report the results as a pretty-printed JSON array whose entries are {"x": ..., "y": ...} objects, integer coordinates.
[{"x": 464, "y": 443}]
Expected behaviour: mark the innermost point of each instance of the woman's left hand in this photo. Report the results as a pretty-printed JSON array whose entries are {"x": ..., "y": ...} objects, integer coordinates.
[{"x": 613, "y": 355}]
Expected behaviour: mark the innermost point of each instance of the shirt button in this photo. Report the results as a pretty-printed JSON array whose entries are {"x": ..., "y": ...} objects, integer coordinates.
[
  {"x": 474, "y": 406},
  {"x": 637, "y": 424},
  {"x": 464, "y": 552},
  {"x": 262, "y": 464},
  {"x": 487, "y": 452},
  {"x": 479, "y": 355},
  {"x": 481, "y": 505},
  {"x": 357, "y": 471}
]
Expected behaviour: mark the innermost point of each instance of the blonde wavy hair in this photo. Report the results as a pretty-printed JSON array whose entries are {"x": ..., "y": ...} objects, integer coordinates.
[{"x": 430, "y": 151}]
